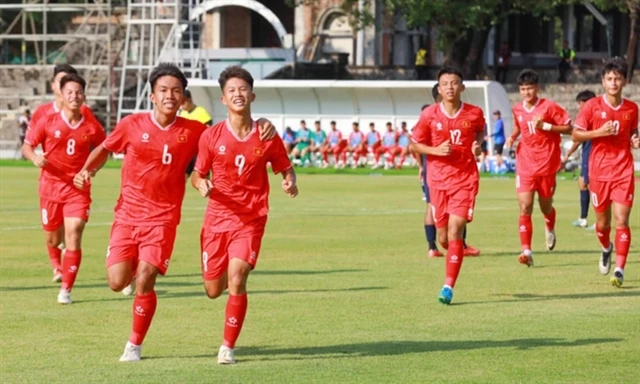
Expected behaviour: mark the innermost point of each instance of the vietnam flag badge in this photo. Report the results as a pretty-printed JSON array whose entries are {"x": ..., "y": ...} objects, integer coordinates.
[
  {"x": 258, "y": 151},
  {"x": 182, "y": 138}
]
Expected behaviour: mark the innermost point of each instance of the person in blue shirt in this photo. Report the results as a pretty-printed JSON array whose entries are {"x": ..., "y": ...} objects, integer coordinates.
[
  {"x": 498, "y": 137},
  {"x": 289, "y": 139}
]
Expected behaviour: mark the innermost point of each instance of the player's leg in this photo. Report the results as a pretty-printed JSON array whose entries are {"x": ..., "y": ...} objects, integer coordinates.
[
  {"x": 622, "y": 198},
  {"x": 429, "y": 224},
  {"x": 214, "y": 262},
  {"x": 324, "y": 150},
  {"x": 440, "y": 215},
  {"x": 295, "y": 152},
  {"x": 51, "y": 215},
  {"x": 525, "y": 187},
  {"x": 122, "y": 256},
  {"x": 600, "y": 198},
  {"x": 74, "y": 226},
  {"x": 546, "y": 189},
  {"x": 376, "y": 155},
  {"x": 584, "y": 204},
  {"x": 403, "y": 156}
]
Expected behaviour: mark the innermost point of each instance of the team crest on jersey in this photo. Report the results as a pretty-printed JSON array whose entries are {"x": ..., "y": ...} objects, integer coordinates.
[
  {"x": 56, "y": 134},
  {"x": 603, "y": 114},
  {"x": 222, "y": 150},
  {"x": 466, "y": 124},
  {"x": 626, "y": 116},
  {"x": 520, "y": 118},
  {"x": 145, "y": 137},
  {"x": 85, "y": 137},
  {"x": 439, "y": 126},
  {"x": 182, "y": 138},
  {"x": 258, "y": 151}
]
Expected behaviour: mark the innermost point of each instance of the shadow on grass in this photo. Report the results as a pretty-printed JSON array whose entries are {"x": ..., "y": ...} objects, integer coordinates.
[
  {"x": 555, "y": 252},
  {"x": 526, "y": 297},
  {"x": 280, "y": 272},
  {"x": 170, "y": 295},
  {"x": 394, "y": 348}
]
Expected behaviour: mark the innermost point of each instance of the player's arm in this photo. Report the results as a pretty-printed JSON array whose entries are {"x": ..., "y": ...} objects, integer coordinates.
[
  {"x": 266, "y": 129},
  {"x": 200, "y": 177},
  {"x": 573, "y": 148},
  {"x": 289, "y": 182},
  {"x": 514, "y": 136},
  {"x": 584, "y": 130},
  {"x": 476, "y": 147},
  {"x": 421, "y": 143},
  {"x": 559, "y": 121},
  {"x": 35, "y": 136},
  {"x": 202, "y": 183}
]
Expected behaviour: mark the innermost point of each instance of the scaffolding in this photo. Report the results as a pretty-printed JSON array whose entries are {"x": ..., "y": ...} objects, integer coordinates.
[{"x": 37, "y": 34}]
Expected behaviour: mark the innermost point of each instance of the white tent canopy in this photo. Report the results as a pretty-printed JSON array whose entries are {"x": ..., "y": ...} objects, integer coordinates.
[{"x": 286, "y": 102}]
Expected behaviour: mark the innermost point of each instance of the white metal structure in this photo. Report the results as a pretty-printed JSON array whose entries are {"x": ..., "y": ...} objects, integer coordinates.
[{"x": 286, "y": 102}]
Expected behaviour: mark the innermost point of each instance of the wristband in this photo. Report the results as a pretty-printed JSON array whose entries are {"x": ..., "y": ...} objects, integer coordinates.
[{"x": 546, "y": 126}]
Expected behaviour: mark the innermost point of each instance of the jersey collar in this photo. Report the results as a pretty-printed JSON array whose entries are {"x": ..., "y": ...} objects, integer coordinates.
[
  {"x": 64, "y": 118},
  {"x": 604, "y": 98},
  {"x": 254, "y": 127},
  {"x": 456, "y": 114},
  {"x": 155, "y": 122},
  {"x": 524, "y": 105}
]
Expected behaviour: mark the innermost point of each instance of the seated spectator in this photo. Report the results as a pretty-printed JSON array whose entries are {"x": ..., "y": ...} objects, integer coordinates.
[
  {"x": 356, "y": 146},
  {"x": 318, "y": 140},
  {"x": 373, "y": 140},
  {"x": 289, "y": 139},
  {"x": 389, "y": 141},
  {"x": 302, "y": 143},
  {"x": 334, "y": 145}
]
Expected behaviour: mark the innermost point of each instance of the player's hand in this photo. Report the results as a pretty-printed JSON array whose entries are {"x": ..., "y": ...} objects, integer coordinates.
[
  {"x": 608, "y": 129},
  {"x": 565, "y": 159},
  {"x": 509, "y": 142},
  {"x": 290, "y": 188},
  {"x": 635, "y": 141},
  {"x": 537, "y": 122},
  {"x": 266, "y": 129},
  {"x": 476, "y": 149},
  {"x": 40, "y": 160},
  {"x": 81, "y": 179},
  {"x": 205, "y": 186},
  {"x": 444, "y": 149}
]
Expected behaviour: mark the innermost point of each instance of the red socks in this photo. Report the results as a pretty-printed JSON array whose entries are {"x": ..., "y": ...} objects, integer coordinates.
[
  {"x": 526, "y": 231},
  {"x": 54, "y": 256},
  {"x": 454, "y": 262},
  {"x": 234, "y": 318},
  {"x": 623, "y": 241},
  {"x": 144, "y": 307},
  {"x": 325, "y": 157},
  {"x": 550, "y": 220},
  {"x": 70, "y": 267},
  {"x": 604, "y": 237}
]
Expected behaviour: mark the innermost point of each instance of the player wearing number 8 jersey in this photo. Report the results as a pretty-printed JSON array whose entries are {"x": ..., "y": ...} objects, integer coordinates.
[
  {"x": 611, "y": 123},
  {"x": 450, "y": 133},
  {"x": 238, "y": 195},
  {"x": 67, "y": 139},
  {"x": 540, "y": 123}
]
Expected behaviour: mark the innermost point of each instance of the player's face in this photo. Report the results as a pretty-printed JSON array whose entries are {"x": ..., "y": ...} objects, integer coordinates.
[
  {"x": 372, "y": 127},
  {"x": 167, "y": 95},
  {"x": 333, "y": 127},
  {"x": 389, "y": 128},
  {"x": 317, "y": 127},
  {"x": 450, "y": 87},
  {"x": 72, "y": 96},
  {"x": 613, "y": 82},
  {"x": 55, "y": 84},
  {"x": 355, "y": 128},
  {"x": 237, "y": 95},
  {"x": 529, "y": 92}
]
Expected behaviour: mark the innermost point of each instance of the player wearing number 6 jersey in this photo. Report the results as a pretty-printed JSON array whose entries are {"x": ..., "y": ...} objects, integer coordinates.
[
  {"x": 238, "y": 193},
  {"x": 67, "y": 139},
  {"x": 611, "y": 123},
  {"x": 450, "y": 133},
  {"x": 540, "y": 122}
]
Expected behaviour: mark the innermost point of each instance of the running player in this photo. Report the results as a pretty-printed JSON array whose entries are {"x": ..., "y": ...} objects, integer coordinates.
[
  {"x": 238, "y": 193},
  {"x": 450, "y": 133},
  {"x": 583, "y": 180},
  {"x": 157, "y": 146},
  {"x": 611, "y": 123},
  {"x": 67, "y": 138},
  {"x": 541, "y": 122}
]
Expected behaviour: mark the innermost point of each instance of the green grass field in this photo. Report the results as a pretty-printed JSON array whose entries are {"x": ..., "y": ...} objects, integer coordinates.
[{"x": 343, "y": 292}]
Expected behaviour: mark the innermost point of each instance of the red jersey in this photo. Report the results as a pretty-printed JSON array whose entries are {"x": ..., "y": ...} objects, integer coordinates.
[
  {"x": 240, "y": 180},
  {"x": 538, "y": 153},
  {"x": 66, "y": 148},
  {"x": 153, "y": 169},
  {"x": 611, "y": 157},
  {"x": 47, "y": 109},
  {"x": 435, "y": 127}
]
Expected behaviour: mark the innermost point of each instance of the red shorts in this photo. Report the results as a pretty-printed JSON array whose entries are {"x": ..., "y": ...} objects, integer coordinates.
[
  {"x": 544, "y": 185},
  {"x": 604, "y": 192},
  {"x": 218, "y": 247},
  {"x": 459, "y": 202},
  {"x": 151, "y": 244},
  {"x": 53, "y": 213}
]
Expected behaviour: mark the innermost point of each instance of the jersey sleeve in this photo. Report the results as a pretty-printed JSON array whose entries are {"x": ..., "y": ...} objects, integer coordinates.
[
  {"x": 634, "y": 120},
  {"x": 420, "y": 133},
  {"x": 583, "y": 120},
  {"x": 559, "y": 116},
  {"x": 205, "y": 157},
  {"x": 480, "y": 124},
  {"x": 36, "y": 116},
  {"x": 278, "y": 156},
  {"x": 36, "y": 134},
  {"x": 98, "y": 137},
  {"x": 116, "y": 142}
]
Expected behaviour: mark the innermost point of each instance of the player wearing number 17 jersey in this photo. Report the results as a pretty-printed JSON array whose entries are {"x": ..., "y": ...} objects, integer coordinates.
[
  {"x": 67, "y": 139},
  {"x": 449, "y": 133},
  {"x": 238, "y": 193},
  {"x": 611, "y": 123},
  {"x": 540, "y": 122}
]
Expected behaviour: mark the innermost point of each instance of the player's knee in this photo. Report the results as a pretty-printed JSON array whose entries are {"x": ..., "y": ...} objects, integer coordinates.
[
  {"x": 117, "y": 284},
  {"x": 213, "y": 292},
  {"x": 53, "y": 240},
  {"x": 526, "y": 208},
  {"x": 621, "y": 221}
]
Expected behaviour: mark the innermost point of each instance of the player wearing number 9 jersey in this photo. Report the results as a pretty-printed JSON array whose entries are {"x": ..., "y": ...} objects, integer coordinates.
[
  {"x": 540, "y": 123},
  {"x": 238, "y": 193},
  {"x": 611, "y": 123},
  {"x": 450, "y": 133},
  {"x": 67, "y": 138}
]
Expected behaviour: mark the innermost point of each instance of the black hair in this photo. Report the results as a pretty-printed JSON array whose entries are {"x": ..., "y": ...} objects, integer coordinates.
[
  {"x": 372, "y": 124},
  {"x": 316, "y": 122},
  {"x": 528, "y": 77},
  {"x": 166, "y": 69},
  {"x": 356, "y": 124},
  {"x": 73, "y": 78},
  {"x": 235, "y": 71},
  {"x": 616, "y": 65},
  {"x": 585, "y": 96},
  {"x": 303, "y": 122},
  {"x": 434, "y": 93},
  {"x": 450, "y": 71},
  {"x": 66, "y": 68},
  {"x": 427, "y": 105},
  {"x": 332, "y": 122},
  {"x": 187, "y": 94},
  {"x": 389, "y": 123}
]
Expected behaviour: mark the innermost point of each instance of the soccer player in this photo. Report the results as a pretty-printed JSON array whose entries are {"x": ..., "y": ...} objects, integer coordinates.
[
  {"x": 355, "y": 146},
  {"x": 334, "y": 145},
  {"x": 389, "y": 141},
  {"x": 67, "y": 138},
  {"x": 404, "y": 140},
  {"x": 541, "y": 123},
  {"x": 373, "y": 141},
  {"x": 303, "y": 141},
  {"x": 55, "y": 242},
  {"x": 238, "y": 193},
  {"x": 157, "y": 146},
  {"x": 583, "y": 180},
  {"x": 611, "y": 123},
  {"x": 318, "y": 139},
  {"x": 449, "y": 134}
]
